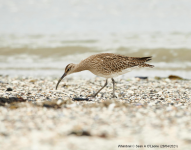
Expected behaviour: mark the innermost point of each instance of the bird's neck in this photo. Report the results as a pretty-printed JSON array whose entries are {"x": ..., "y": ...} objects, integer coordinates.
[{"x": 83, "y": 65}]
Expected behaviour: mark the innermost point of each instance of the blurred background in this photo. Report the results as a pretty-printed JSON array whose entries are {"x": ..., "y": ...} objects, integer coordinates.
[{"x": 40, "y": 37}]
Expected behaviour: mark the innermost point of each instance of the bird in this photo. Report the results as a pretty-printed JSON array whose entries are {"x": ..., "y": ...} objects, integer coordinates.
[{"x": 107, "y": 65}]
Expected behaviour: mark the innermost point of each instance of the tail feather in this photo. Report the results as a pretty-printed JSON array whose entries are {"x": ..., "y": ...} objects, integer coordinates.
[
  {"x": 145, "y": 59},
  {"x": 146, "y": 65},
  {"x": 140, "y": 61}
]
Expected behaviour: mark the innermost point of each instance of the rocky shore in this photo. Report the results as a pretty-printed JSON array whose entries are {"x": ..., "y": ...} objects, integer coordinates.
[{"x": 147, "y": 112}]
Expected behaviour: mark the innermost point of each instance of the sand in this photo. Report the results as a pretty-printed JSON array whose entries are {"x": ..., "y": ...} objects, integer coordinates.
[{"x": 149, "y": 114}]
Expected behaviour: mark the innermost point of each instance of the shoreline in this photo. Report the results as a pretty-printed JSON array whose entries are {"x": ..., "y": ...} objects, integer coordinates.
[{"x": 146, "y": 112}]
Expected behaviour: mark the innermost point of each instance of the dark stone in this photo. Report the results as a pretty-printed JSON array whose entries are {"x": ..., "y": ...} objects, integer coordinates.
[
  {"x": 9, "y": 89},
  {"x": 80, "y": 133},
  {"x": 80, "y": 99},
  {"x": 11, "y": 100},
  {"x": 51, "y": 104},
  {"x": 140, "y": 77}
]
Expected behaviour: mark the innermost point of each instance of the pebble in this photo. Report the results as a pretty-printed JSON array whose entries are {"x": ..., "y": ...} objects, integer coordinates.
[
  {"x": 9, "y": 89},
  {"x": 45, "y": 118}
]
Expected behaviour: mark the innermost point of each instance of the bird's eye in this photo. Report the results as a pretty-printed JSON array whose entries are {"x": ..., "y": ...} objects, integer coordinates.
[{"x": 68, "y": 69}]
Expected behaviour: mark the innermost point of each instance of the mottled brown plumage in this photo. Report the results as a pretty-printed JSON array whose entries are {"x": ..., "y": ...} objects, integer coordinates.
[{"x": 107, "y": 65}]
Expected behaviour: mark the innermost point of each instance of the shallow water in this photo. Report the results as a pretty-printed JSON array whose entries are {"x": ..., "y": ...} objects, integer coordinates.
[{"x": 48, "y": 55}]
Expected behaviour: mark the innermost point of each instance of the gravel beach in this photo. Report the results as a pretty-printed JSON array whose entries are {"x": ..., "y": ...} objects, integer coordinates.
[{"x": 148, "y": 114}]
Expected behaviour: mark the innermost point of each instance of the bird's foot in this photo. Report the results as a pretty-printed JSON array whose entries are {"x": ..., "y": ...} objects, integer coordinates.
[
  {"x": 114, "y": 96},
  {"x": 92, "y": 95}
]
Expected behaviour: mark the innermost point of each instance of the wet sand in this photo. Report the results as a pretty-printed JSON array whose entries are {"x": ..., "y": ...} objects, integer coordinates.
[{"x": 34, "y": 115}]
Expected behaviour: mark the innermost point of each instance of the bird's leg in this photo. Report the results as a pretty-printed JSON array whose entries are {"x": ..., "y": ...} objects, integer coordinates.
[
  {"x": 113, "y": 81},
  {"x": 94, "y": 95}
]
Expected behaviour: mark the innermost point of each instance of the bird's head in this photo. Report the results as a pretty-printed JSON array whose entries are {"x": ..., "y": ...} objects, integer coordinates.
[{"x": 68, "y": 70}]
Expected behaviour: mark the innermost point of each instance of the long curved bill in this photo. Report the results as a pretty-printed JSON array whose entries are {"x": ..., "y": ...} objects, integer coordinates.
[{"x": 60, "y": 80}]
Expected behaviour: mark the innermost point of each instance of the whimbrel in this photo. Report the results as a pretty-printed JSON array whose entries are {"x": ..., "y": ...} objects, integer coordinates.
[{"x": 107, "y": 65}]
